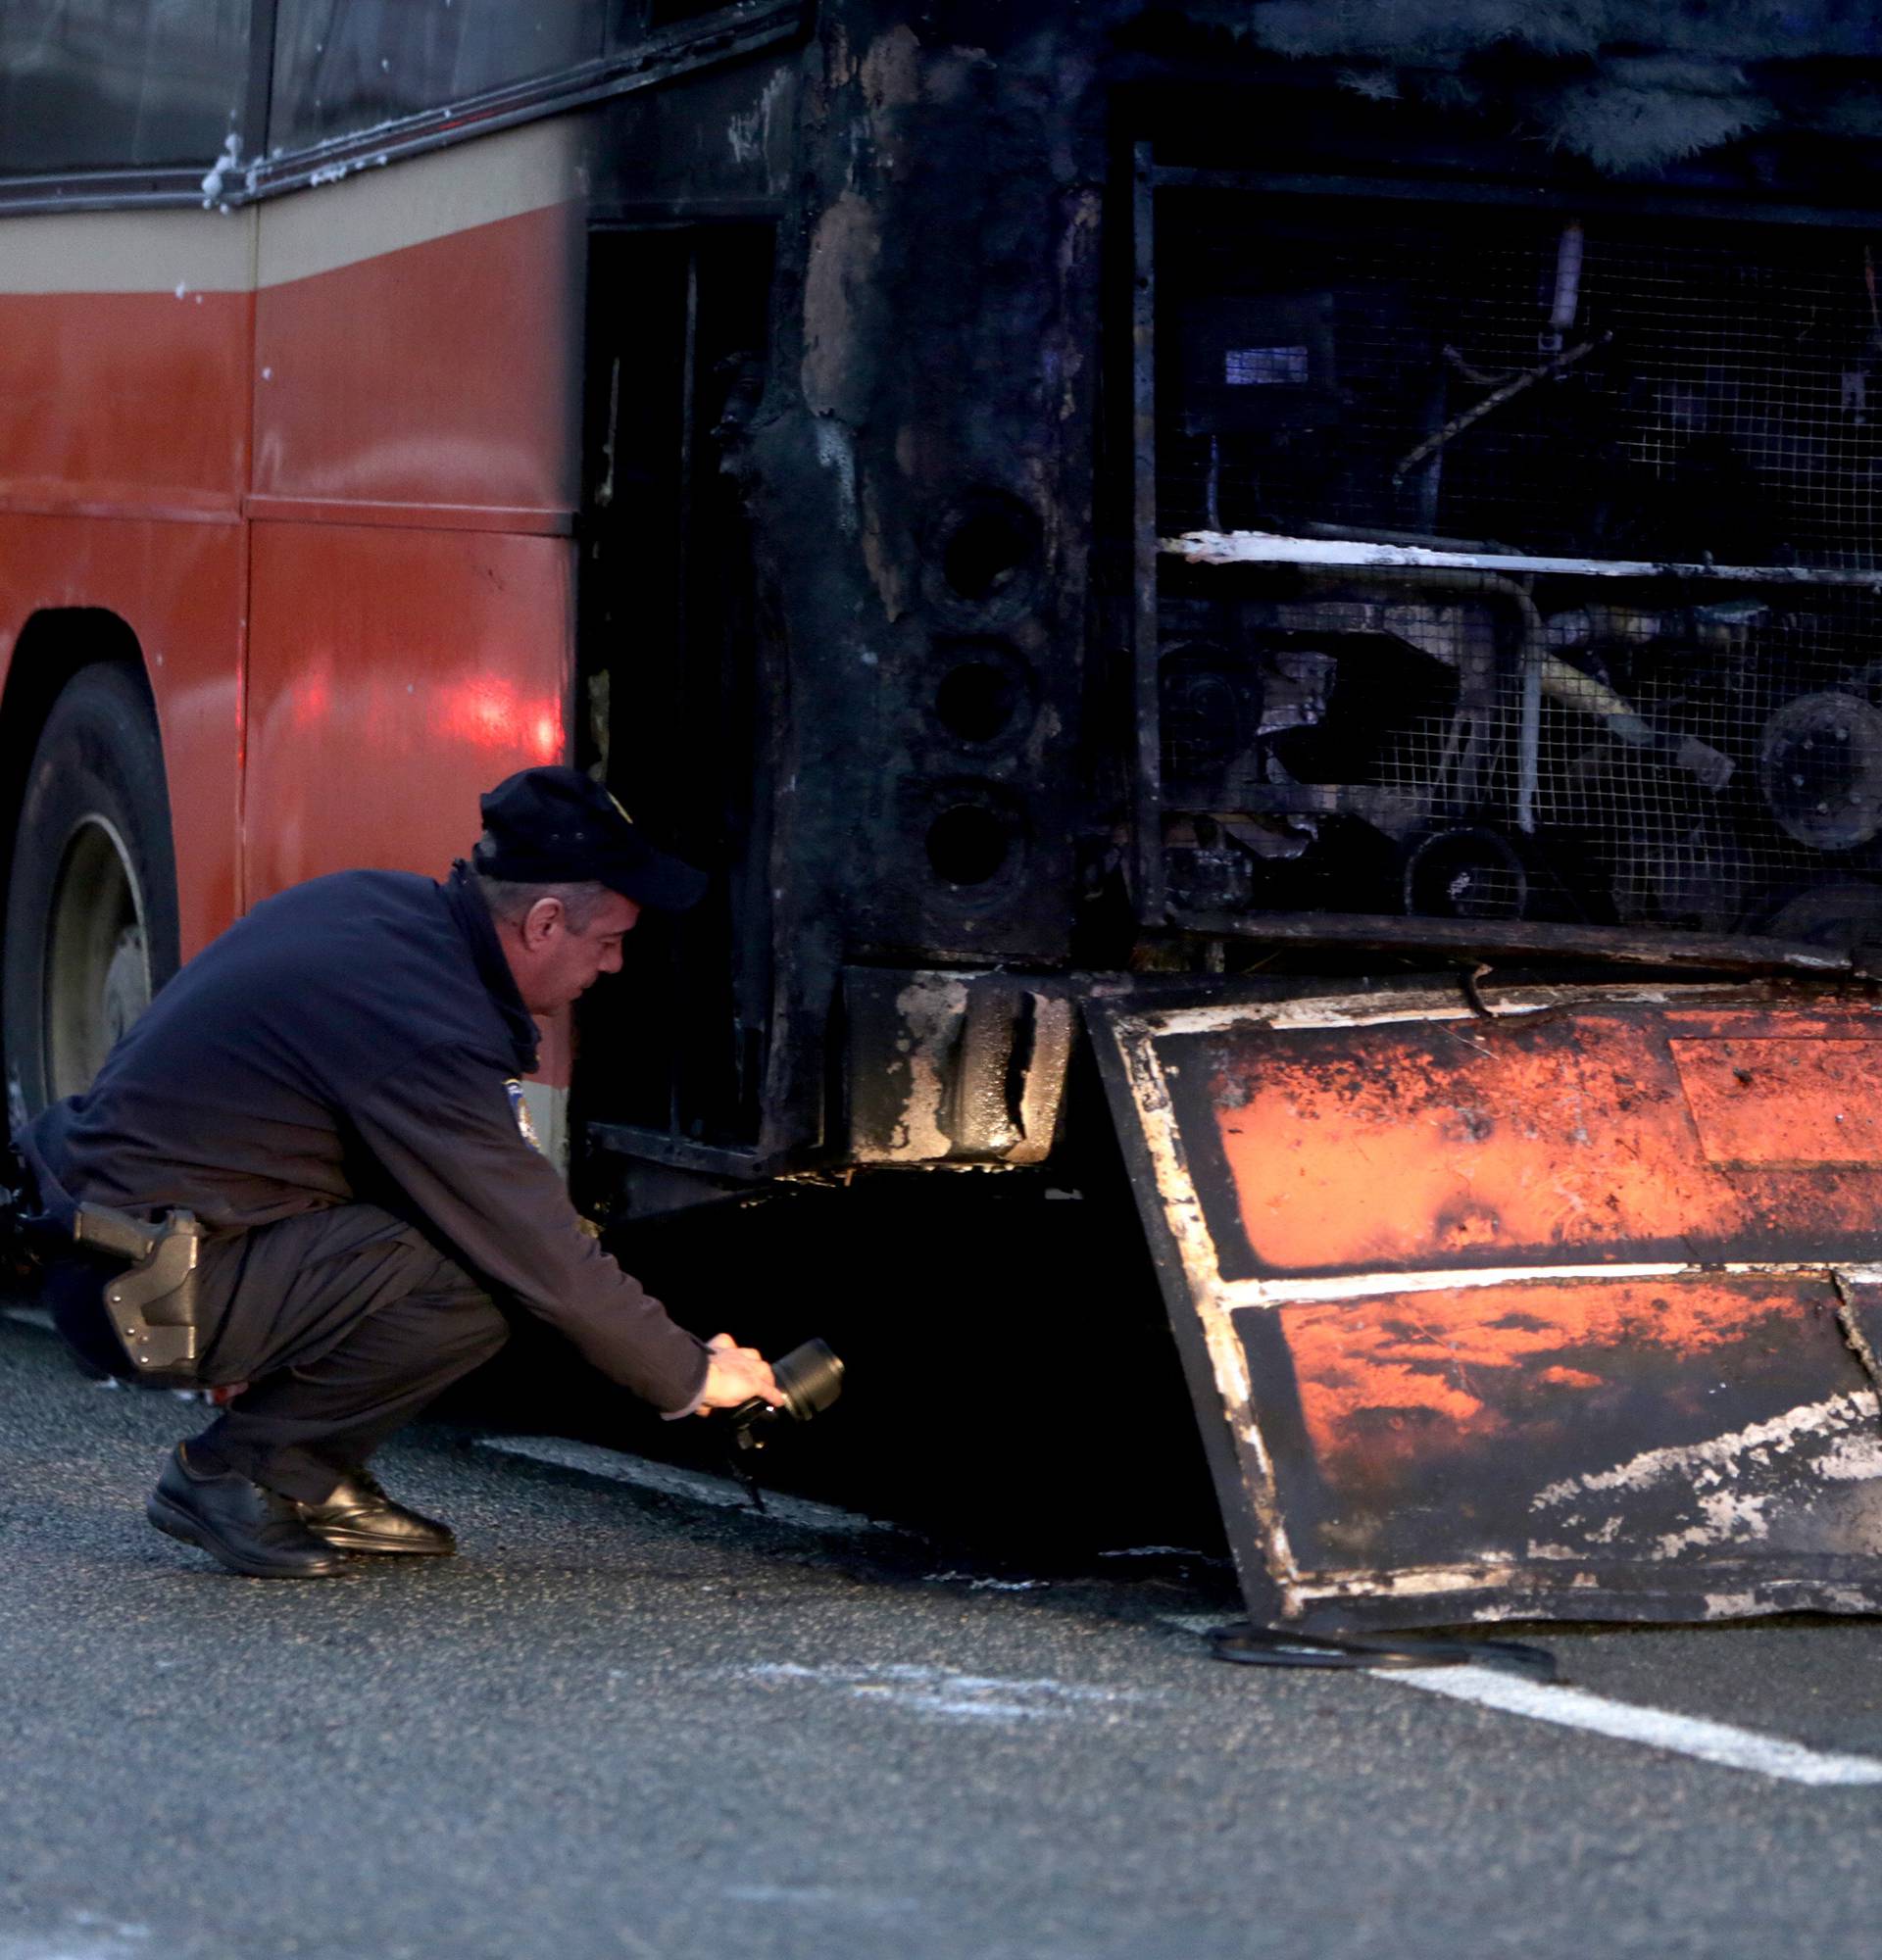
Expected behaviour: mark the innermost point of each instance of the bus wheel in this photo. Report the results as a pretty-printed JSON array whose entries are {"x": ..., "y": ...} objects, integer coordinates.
[{"x": 91, "y": 904}]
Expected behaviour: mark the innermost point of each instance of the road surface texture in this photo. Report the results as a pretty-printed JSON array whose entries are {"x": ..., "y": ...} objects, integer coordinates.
[{"x": 627, "y": 1723}]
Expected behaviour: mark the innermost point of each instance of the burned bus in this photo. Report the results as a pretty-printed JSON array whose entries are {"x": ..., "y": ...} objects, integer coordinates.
[{"x": 1320, "y": 559}]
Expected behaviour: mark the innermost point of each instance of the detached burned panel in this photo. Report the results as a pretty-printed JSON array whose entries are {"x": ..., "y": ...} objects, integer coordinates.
[{"x": 1558, "y": 1313}]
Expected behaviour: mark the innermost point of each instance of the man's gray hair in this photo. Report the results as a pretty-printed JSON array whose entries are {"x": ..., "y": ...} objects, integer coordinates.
[{"x": 508, "y": 899}]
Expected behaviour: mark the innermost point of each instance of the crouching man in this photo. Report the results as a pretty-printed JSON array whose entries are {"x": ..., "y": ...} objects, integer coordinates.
[{"x": 333, "y": 1089}]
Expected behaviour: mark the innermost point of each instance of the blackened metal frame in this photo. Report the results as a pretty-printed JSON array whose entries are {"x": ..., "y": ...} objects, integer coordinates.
[{"x": 1147, "y": 775}]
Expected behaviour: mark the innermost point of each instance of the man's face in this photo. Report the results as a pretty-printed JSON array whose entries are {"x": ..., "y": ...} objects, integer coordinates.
[{"x": 557, "y": 964}]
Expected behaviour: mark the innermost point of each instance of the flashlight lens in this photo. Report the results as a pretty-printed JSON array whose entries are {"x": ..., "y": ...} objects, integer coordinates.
[{"x": 811, "y": 1377}]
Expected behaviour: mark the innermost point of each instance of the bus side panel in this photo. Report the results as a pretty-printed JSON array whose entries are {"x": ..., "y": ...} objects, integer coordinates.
[
  {"x": 124, "y": 456},
  {"x": 417, "y": 457},
  {"x": 178, "y": 586},
  {"x": 394, "y": 675},
  {"x": 121, "y": 397},
  {"x": 444, "y": 373}
]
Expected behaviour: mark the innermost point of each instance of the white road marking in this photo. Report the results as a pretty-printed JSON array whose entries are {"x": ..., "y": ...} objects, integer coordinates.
[
  {"x": 986, "y": 1584},
  {"x": 29, "y": 1316},
  {"x": 827, "y": 1898},
  {"x": 1718, "y": 1743},
  {"x": 92, "y": 1937},
  {"x": 1163, "y": 1551},
  {"x": 937, "y": 1693},
  {"x": 58, "y": 1946},
  {"x": 693, "y": 1486}
]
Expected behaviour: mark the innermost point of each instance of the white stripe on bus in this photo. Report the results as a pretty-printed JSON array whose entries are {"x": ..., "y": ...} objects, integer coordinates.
[{"x": 369, "y": 214}]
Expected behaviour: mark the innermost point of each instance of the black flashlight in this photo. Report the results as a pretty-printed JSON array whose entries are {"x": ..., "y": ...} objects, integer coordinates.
[{"x": 811, "y": 1378}]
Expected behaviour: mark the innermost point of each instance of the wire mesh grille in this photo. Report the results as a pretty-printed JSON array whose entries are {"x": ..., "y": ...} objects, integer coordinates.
[
  {"x": 1523, "y": 379},
  {"x": 1663, "y": 754}
]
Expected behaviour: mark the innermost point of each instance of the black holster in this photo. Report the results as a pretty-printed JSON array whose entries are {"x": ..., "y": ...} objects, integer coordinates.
[
  {"x": 150, "y": 1274},
  {"x": 156, "y": 1307}
]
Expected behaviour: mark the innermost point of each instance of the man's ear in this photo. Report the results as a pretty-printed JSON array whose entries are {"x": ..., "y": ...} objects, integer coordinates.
[{"x": 541, "y": 921}]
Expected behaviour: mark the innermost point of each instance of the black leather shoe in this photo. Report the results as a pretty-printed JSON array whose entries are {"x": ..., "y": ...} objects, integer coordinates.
[
  {"x": 252, "y": 1531},
  {"x": 358, "y": 1516}
]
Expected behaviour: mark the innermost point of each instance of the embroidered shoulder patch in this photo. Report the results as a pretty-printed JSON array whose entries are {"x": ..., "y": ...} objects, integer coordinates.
[{"x": 520, "y": 1110}]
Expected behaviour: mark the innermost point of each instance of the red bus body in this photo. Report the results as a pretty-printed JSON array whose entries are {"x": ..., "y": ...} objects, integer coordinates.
[{"x": 351, "y": 579}]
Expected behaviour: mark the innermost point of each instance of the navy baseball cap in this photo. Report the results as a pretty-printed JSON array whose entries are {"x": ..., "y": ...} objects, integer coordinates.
[{"x": 556, "y": 826}]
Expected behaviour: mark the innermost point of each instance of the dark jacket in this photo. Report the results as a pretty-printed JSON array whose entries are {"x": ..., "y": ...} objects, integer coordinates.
[{"x": 360, "y": 1038}]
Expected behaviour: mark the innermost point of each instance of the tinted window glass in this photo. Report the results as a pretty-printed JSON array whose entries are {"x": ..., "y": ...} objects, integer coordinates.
[
  {"x": 345, "y": 65},
  {"x": 635, "y": 19},
  {"x": 85, "y": 83},
  {"x": 664, "y": 13}
]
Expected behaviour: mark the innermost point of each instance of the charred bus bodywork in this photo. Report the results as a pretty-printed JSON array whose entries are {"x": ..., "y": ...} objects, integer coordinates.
[
  {"x": 1219, "y": 525},
  {"x": 1171, "y": 532}
]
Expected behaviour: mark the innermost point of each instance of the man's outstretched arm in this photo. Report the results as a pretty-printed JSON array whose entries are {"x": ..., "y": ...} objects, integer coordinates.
[{"x": 443, "y": 1129}]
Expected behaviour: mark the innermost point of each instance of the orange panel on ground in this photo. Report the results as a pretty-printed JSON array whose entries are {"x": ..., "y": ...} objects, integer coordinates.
[
  {"x": 1411, "y": 1143},
  {"x": 1659, "y": 1403},
  {"x": 395, "y": 674},
  {"x": 1785, "y": 1103},
  {"x": 1388, "y": 1382}
]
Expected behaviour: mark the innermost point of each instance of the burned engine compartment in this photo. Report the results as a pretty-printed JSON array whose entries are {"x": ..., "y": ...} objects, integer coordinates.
[
  {"x": 1548, "y": 589},
  {"x": 1706, "y": 762},
  {"x": 1611, "y": 386}
]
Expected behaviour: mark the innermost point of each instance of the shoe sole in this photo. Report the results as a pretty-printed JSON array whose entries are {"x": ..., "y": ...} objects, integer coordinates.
[
  {"x": 342, "y": 1539},
  {"x": 176, "y": 1523}
]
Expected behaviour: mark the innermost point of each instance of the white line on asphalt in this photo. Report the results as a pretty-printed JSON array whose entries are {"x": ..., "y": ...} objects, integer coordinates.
[
  {"x": 29, "y": 1316},
  {"x": 827, "y": 1898},
  {"x": 693, "y": 1486},
  {"x": 1718, "y": 1743},
  {"x": 1162, "y": 1551},
  {"x": 937, "y": 1691},
  {"x": 988, "y": 1583},
  {"x": 95, "y": 1937}
]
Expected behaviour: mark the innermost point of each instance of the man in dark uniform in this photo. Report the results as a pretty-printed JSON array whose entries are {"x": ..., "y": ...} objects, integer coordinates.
[{"x": 333, "y": 1088}]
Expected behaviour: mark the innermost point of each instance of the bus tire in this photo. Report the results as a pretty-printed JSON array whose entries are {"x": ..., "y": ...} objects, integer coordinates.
[{"x": 91, "y": 899}]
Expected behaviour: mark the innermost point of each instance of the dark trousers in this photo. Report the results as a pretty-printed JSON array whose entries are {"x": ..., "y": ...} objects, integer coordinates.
[{"x": 344, "y": 1324}]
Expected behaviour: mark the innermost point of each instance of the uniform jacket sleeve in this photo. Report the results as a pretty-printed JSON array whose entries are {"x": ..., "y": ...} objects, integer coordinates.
[{"x": 443, "y": 1129}]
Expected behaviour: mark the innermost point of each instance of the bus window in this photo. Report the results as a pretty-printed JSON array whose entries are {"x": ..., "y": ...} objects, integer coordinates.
[
  {"x": 342, "y": 67},
  {"x": 87, "y": 84},
  {"x": 670, "y": 12}
]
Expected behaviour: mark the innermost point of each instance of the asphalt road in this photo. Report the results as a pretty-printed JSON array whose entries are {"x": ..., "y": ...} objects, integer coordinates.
[{"x": 624, "y": 1724}]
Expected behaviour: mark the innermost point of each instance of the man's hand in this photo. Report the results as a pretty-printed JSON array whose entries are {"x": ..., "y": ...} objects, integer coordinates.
[{"x": 735, "y": 1375}]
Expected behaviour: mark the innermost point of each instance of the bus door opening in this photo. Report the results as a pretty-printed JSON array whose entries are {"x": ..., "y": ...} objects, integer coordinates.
[{"x": 671, "y": 682}]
